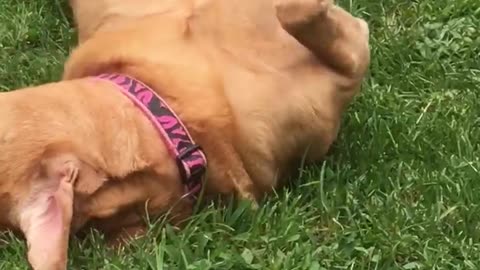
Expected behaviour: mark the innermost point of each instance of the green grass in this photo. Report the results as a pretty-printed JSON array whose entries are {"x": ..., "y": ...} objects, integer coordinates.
[{"x": 401, "y": 189}]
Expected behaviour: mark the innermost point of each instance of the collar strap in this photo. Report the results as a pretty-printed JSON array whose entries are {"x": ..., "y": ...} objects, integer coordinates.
[{"x": 190, "y": 159}]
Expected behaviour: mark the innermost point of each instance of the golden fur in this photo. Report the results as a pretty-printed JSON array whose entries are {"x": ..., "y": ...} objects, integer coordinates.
[{"x": 259, "y": 84}]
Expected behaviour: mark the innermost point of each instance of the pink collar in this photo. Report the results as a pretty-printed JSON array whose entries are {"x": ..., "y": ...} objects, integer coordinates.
[{"x": 191, "y": 160}]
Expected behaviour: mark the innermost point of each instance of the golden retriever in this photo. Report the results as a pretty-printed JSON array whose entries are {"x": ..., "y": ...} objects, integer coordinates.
[{"x": 258, "y": 85}]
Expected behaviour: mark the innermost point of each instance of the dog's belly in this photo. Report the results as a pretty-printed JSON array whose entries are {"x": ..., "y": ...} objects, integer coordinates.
[{"x": 284, "y": 102}]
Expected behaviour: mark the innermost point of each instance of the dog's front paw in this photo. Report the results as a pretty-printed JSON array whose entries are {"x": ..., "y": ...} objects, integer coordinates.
[{"x": 299, "y": 12}]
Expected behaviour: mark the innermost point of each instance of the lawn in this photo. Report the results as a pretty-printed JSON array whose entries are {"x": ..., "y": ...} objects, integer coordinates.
[{"x": 400, "y": 190}]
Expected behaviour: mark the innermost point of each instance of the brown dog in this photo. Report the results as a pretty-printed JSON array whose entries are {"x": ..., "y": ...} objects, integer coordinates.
[{"x": 258, "y": 85}]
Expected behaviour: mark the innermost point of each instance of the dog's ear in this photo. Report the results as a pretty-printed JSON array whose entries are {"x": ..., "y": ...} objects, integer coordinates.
[{"x": 46, "y": 216}]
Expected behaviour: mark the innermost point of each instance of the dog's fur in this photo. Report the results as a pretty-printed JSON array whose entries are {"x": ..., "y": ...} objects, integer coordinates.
[{"x": 259, "y": 84}]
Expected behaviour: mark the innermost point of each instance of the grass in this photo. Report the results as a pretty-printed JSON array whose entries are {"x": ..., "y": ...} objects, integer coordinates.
[{"x": 401, "y": 189}]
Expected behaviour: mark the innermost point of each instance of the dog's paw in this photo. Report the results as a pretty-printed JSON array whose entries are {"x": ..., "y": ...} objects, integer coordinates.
[
  {"x": 297, "y": 12},
  {"x": 251, "y": 201}
]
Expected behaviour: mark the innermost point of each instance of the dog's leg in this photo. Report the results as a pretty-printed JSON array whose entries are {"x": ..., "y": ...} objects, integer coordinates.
[
  {"x": 228, "y": 173},
  {"x": 125, "y": 235},
  {"x": 119, "y": 208},
  {"x": 133, "y": 225},
  {"x": 46, "y": 216},
  {"x": 336, "y": 37}
]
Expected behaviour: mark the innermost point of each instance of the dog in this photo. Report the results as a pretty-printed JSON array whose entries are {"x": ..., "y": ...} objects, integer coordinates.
[{"x": 253, "y": 86}]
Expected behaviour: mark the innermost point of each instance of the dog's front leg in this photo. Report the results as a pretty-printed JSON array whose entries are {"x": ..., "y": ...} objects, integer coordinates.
[
  {"x": 228, "y": 173},
  {"x": 336, "y": 37}
]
